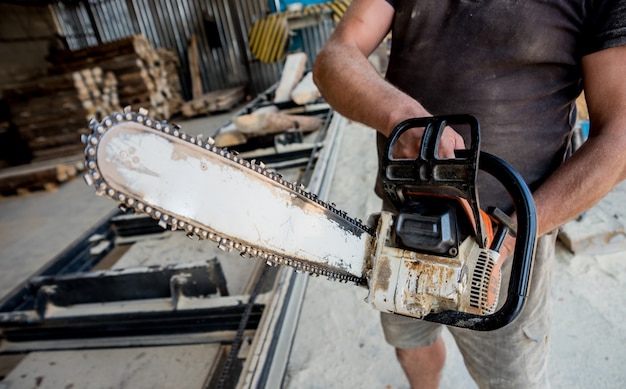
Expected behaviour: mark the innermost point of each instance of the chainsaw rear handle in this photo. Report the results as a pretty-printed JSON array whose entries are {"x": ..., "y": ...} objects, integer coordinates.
[{"x": 449, "y": 175}]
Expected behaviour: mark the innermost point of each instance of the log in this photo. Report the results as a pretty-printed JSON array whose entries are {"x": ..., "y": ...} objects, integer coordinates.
[
  {"x": 262, "y": 123},
  {"x": 293, "y": 71},
  {"x": 305, "y": 92}
]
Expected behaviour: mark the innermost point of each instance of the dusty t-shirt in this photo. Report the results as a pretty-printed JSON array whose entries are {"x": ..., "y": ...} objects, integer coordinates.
[{"x": 513, "y": 64}]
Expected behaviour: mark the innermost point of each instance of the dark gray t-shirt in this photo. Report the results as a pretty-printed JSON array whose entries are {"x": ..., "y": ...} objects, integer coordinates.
[{"x": 513, "y": 64}]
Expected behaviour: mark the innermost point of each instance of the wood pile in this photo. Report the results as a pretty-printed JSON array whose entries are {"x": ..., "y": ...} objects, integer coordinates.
[
  {"x": 147, "y": 78},
  {"x": 50, "y": 113},
  {"x": 174, "y": 94}
]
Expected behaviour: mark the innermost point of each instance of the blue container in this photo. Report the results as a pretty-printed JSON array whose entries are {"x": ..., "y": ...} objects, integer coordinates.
[{"x": 282, "y": 4}]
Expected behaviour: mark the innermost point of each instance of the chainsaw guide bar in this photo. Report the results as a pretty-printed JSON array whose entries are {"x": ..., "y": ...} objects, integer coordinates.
[{"x": 186, "y": 182}]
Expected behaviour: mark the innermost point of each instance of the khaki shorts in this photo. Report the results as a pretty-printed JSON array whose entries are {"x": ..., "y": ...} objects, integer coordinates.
[{"x": 514, "y": 356}]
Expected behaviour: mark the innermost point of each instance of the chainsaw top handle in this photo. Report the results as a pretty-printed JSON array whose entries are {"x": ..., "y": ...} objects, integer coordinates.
[
  {"x": 427, "y": 174},
  {"x": 457, "y": 177}
]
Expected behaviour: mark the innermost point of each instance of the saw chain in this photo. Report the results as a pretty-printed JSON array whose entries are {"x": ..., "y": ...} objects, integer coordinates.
[{"x": 127, "y": 124}]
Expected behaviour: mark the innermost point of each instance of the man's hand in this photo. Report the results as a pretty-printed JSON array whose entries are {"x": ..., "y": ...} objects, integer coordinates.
[
  {"x": 408, "y": 145},
  {"x": 508, "y": 246}
]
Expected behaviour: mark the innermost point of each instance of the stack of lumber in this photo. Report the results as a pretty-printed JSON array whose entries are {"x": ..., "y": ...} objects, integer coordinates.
[
  {"x": 173, "y": 90},
  {"x": 146, "y": 77},
  {"x": 50, "y": 113}
]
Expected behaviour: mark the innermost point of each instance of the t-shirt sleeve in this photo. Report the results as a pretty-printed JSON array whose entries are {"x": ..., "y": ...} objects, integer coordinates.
[{"x": 605, "y": 26}]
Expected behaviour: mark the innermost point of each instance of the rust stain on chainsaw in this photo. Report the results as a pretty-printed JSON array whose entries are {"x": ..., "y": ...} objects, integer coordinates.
[{"x": 384, "y": 274}]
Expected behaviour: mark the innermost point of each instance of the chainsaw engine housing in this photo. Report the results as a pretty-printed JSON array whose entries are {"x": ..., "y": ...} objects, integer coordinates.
[{"x": 415, "y": 284}]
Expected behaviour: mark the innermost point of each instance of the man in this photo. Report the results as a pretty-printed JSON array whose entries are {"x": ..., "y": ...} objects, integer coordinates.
[{"x": 518, "y": 67}]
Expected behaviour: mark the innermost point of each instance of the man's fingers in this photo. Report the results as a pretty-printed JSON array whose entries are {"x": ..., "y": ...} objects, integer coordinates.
[
  {"x": 409, "y": 144},
  {"x": 450, "y": 141}
]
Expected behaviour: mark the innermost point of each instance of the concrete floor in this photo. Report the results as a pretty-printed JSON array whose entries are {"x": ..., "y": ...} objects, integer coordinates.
[{"x": 339, "y": 343}]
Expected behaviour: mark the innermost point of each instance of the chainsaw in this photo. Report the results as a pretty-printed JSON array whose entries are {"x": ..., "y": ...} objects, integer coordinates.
[{"x": 434, "y": 259}]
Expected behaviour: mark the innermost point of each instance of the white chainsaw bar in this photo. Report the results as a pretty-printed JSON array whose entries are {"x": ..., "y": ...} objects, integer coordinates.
[{"x": 188, "y": 183}]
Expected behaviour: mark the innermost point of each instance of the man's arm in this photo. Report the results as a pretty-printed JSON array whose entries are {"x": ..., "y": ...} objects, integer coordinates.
[
  {"x": 600, "y": 164},
  {"x": 354, "y": 88}
]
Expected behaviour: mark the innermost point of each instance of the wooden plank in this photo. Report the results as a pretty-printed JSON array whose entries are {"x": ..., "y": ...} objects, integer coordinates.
[
  {"x": 40, "y": 85},
  {"x": 57, "y": 152},
  {"x": 194, "y": 68},
  {"x": 42, "y": 142},
  {"x": 293, "y": 71},
  {"x": 216, "y": 101},
  {"x": 305, "y": 92},
  {"x": 40, "y": 175},
  {"x": 76, "y": 59}
]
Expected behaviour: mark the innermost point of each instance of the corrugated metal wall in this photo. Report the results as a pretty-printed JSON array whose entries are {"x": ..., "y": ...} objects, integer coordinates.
[{"x": 221, "y": 27}]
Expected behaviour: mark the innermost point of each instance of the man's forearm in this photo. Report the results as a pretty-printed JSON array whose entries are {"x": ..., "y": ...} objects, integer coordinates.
[
  {"x": 581, "y": 182},
  {"x": 355, "y": 89}
]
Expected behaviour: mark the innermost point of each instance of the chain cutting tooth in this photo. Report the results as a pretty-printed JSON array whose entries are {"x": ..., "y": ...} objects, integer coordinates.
[{"x": 88, "y": 179}]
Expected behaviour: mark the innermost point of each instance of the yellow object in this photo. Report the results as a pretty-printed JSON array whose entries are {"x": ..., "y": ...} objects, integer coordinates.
[{"x": 268, "y": 37}]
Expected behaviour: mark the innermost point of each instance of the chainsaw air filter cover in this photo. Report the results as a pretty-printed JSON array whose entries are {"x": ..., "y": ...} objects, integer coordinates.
[{"x": 429, "y": 227}]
